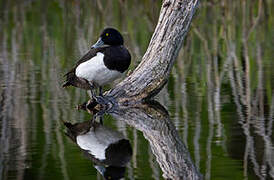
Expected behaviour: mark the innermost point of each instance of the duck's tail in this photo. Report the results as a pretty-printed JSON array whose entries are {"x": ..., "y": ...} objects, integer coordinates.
[
  {"x": 73, "y": 80},
  {"x": 66, "y": 84},
  {"x": 76, "y": 129},
  {"x": 70, "y": 76}
]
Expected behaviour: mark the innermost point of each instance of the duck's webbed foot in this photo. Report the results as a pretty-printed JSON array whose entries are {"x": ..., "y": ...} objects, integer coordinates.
[{"x": 101, "y": 100}]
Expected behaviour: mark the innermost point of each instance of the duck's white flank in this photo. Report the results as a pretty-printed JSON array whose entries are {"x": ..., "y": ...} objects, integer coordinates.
[
  {"x": 92, "y": 144},
  {"x": 94, "y": 70},
  {"x": 97, "y": 142}
]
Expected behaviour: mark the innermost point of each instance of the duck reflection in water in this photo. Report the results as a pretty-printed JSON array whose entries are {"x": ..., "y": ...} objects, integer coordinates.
[
  {"x": 152, "y": 119},
  {"x": 108, "y": 149}
]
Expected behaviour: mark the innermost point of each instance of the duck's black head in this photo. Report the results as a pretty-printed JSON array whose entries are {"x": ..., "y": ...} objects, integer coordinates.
[{"x": 109, "y": 36}]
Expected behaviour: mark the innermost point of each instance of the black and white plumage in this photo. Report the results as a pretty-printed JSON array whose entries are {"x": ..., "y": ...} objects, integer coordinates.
[
  {"x": 106, "y": 61},
  {"x": 107, "y": 148}
]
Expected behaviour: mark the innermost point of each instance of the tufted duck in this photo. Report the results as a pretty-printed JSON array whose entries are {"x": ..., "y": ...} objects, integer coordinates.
[{"x": 103, "y": 63}]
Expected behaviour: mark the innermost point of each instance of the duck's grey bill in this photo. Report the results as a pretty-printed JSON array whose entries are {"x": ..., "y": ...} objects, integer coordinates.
[{"x": 99, "y": 43}]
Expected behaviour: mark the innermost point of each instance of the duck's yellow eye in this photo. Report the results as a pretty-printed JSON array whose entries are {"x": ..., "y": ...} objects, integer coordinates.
[{"x": 107, "y": 34}]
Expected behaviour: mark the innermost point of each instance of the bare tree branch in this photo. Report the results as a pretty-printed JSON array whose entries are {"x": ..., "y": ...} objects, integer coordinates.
[{"x": 152, "y": 73}]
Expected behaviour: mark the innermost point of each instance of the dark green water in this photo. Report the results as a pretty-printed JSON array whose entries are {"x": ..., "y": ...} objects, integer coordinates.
[{"x": 219, "y": 97}]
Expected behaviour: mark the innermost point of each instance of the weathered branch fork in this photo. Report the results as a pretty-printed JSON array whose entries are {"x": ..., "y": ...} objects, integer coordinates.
[{"x": 153, "y": 71}]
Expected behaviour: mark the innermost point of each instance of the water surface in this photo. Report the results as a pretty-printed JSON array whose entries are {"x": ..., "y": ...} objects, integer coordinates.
[{"x": 219, "y": 96}]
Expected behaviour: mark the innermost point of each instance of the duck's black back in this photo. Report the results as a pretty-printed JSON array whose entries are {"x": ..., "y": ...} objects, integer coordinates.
[{"x": 117, "y": 58}]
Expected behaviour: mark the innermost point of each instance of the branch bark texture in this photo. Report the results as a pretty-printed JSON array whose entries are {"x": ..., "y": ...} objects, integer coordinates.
[
  {"x": 170, "y": 152},
  {"x": 152, "y": 73}
]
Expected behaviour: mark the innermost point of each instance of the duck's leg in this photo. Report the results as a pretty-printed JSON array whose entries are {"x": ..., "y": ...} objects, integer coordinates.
[
  {"x": 100, "y": 91},
  {"x": 101, "y": 120},
  {"x": 91, "y": 92},
  {"x": 99, "y": 99},
  {"x": 92, "y": 122}
]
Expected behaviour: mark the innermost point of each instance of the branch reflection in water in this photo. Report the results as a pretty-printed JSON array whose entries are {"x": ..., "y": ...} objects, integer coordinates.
[
  {"x": 107, "y": 148},
  {"x": 153, "y": 121}
]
